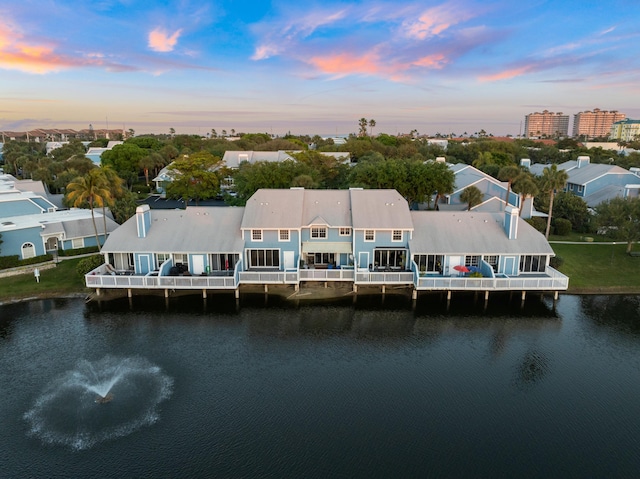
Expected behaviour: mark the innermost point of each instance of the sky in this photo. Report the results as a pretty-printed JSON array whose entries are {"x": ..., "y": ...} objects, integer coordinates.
[{"x": 313, "y": 67}]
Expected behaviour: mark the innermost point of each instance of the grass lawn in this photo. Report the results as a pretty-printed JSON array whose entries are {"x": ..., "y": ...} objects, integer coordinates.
[
  {"x": 593, "y": 267},
  {"x": 59, "y": 281}
]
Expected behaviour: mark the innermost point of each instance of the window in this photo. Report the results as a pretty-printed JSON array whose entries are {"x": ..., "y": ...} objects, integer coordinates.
[
  {"x": 264, "y": 258},
  {"x": 389, "y": 258},
  {"x": 321, "y": 258},
  {"x": 492, "y": 260},
  {"x": 345, "y": 231},
  {"x": 161, "y": 258},
  {"x": 533, "y": 263},
  {"x": 28, "y": 251},
  {"x": 318, "y": 232},
  {"x": 256, "y": 235},
  {"x": 580, "y": 188},
  {"x": 429, "y": 263},
  {"x": 369, "y": 235},
  {"x": 472, "y": 261},
  {"x": 284, "y": 235},
  {"x": 179, "y": 258},
  {"x": 77, "y": 243},
  {"x": 396, "y": 235}
]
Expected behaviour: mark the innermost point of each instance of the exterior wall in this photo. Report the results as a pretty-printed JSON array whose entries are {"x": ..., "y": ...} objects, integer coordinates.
[
  {"x": 625, "y": 130},
  {"x": 382, "y": 239},
  {"x": 12, "y": 241},
  {"x": 595, "y": 123},
  {"x": 546, "y": 123},
  {"x": 333, "y": 236},
  {"x": 270, "y": 240},
  {"x": 88, "y": 241}
]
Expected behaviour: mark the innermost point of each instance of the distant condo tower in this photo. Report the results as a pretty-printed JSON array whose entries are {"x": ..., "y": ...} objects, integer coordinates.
[
  {"x": 596, "y": 123},
  {"x": 546, "y": 123}
]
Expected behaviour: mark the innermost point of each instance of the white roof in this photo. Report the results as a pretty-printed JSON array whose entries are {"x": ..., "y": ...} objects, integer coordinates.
[
  {"x": 472, "y": 233},
  {"x": 75, "y": 222},
  {"x": 379, "y": 209},
  {"x": 197, "y": 229}
]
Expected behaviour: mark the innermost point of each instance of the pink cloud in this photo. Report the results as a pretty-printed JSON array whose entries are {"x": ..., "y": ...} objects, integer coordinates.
[
  {"x": 508, "y": 74},
  {"x": 436, "y": 61},
  {"x": 161, "y": 41},
  {"x": 348, "y": 64},
  {"x": 16, "y": 53},
  {"x": 436, "y": 20}
]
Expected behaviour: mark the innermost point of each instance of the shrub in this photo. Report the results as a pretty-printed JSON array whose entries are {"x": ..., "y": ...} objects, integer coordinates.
[
  {"x": 9, "y": 261},
  {"x": 141, "y": 188},
  {"x": 15, "y": 261},
  {"x": 562, "y": 226},
  {"x": 77, "y": 251},
  {"x": 538, "y": 223},
  {"x": 556, "y": 261},
  {"x": 89, "y": 263}
]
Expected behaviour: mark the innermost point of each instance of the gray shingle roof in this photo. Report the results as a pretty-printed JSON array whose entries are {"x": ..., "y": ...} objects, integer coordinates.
[
  {"x": 198, "y": 229},
  {"x": 379, "y": 209},
  {"x": 472, "y": 233}
]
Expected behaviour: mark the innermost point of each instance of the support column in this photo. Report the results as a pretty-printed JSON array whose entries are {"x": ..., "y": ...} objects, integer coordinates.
[
  {"x": 237, "y": 293},
  {"x": 204, "y": 294},
  {"x": 384, "y": 289},
  {"x": 524, "y": 295},
  {"x": 296, "y": 287},
  {"x": 449, "y": 295},
  {"x": 266, "y": 288},
  {"x": 555, "y": 295},
  {"x": 414, "y": 294},
  {"x": 129, "y": 293},
  {"x": 166, "y": 293},
  {"x": 355, "y": 288},
  {"x": 97, "y": 291}
]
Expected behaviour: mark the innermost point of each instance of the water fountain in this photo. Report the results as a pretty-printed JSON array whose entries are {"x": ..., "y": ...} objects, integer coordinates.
[{"x": 73, "y": 411}]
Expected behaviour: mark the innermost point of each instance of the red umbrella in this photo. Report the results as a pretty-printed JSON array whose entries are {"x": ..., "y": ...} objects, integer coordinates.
[{"x": 462, "y": 268}]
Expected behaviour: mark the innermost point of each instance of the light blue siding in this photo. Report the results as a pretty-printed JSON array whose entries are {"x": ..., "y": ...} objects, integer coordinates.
[{"x": 12, "y": 241}]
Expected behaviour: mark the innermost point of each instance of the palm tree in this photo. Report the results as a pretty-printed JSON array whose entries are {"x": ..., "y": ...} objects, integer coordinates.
[
  {"x": 552, "y": 179},
  {"x": 526, "y": 186},
  {"x": 91, "y": 188},
  {"x": 472, "y": 196},
  {"x": 508, "y": 174},
  {"x": 372, "y": 124},
  {"x": 115, "y": 184}
]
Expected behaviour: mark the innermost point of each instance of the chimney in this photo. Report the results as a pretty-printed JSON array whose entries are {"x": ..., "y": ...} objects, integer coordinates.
[
  {"x": 583, "y": 161},
  {"x": 143, "y": 220},
  {"x": 525, "y": 162},
  {"x": 511, "y": 222}
]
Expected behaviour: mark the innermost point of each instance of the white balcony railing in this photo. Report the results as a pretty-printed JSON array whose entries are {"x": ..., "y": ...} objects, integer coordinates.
[
  {"x": 326, "y": 275},
  {"x": 384, "y": 277},
  {"x": 549, "y": 281}
]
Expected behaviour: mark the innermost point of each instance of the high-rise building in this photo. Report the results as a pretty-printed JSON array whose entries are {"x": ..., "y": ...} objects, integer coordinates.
[
  {"x": 546, "y": 123},
  {"x": 625, "y": 130},
  {"x": 596, "y": 123}
]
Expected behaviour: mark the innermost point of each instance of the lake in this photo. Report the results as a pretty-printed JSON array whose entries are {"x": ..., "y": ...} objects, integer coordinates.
[{"x": 379, "y": 387}]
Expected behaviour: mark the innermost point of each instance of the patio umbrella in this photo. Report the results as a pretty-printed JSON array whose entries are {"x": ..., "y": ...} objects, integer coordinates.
[
  {"x": 462, "y": 268},
  {"x": 474, "y": 269}
]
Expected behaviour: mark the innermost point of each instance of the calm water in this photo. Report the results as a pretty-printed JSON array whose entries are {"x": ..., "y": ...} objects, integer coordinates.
[{"x": 372, "y": 389}]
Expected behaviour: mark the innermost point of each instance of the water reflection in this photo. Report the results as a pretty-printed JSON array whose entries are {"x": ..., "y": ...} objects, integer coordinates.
[{"x": 620, "y": 313}]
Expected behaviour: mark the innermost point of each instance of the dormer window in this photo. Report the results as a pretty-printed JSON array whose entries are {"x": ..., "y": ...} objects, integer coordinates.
[{"x": 319, "y": 232}]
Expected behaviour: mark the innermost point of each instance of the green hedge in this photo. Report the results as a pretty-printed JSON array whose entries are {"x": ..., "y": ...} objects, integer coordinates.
[
  {"x": 89, "y": 263},
  {"x": 538, "y": 223},
  {"x": 77, "y": 251},
  {"x": 14, "y": 261},
  {"x": 562, "y": 226}
]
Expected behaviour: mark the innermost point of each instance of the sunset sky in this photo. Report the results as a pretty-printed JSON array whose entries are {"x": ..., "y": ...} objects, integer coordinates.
[{"x": 313, "y": 67}]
